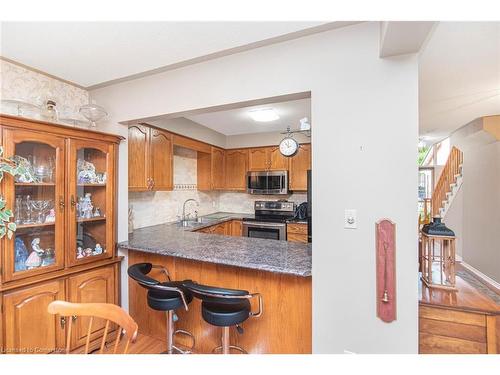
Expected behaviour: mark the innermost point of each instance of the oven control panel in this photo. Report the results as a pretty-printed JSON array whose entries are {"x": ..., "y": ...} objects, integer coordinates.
[{"x": 274, "y": 206}]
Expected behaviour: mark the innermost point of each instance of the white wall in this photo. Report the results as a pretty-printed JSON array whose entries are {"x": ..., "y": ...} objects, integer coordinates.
[
  {"x": 192, "y": 129},
  {"x": 481, "y": 209},
  {"x": 360, "y": 105},
  {"x": 454, "y": 219},
  {"x": 260, "y": 139}
]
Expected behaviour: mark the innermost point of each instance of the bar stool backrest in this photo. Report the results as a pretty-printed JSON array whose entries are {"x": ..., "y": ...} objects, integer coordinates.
[
  {"x": 209, "y": 293},
  {"x": 139, "y": 272}
]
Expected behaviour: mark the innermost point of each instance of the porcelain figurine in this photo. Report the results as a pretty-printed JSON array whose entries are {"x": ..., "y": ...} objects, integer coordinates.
[
  {"x": 85, "y": 206},
  {"x": 51, "y": 217},
  {"x": 98, "y": 249},
  {"x": 21, "y": 255},
  {"x": 79, "y": 253},
  {"x": 48, "y": 258},
  {"x": 97, "y": 212},
  {"x": 35, "y": 258},
  {"x": 88, "y": 252},
  {"x": 86, "y": 172},
  {"x": 101, "y": 178}
]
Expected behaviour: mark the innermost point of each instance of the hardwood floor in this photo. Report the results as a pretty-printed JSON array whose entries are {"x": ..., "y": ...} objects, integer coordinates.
[{"x": 144, "y": 345}]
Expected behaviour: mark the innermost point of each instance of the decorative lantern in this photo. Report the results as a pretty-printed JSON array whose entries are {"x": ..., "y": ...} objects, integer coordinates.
[{"x": 438, "y": 255}]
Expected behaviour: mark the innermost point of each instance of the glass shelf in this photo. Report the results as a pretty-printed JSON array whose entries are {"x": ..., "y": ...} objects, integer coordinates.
[
  {"x": 35, "y": 225},
  {"x": 34, "y": 184},
  {"x": 90, "y": 185},
  {"x": 92, "y": 219}
]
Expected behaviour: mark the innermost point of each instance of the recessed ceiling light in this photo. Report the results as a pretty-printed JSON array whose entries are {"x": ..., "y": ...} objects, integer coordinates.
[{"x": 263, "y": 114}]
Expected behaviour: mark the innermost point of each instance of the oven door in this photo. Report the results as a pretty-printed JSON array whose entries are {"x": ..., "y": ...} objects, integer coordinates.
[{"x": 270, "y": 231}]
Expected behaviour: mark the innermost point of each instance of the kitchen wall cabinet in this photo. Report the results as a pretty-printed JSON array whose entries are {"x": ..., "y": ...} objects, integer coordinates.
[
  {"x": 236, "y": 169},
  {"x": 266, "y": 158},
  {"x": 150, "y": 159},
  {"x": 162, "y": 161},
  {"x": 258, "y": 159},
  {"x": 76, "y": 163},
  {"x": 138, "y": 158},
  {"x": 218, "y": 168},
  {"x": 151, "y": 162},
  {"x": 211, "y": 169},
  {"x": 299, "y": 164}
]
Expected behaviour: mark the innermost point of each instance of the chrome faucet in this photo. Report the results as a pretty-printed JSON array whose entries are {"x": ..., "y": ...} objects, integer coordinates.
[{"x": 184, "y": 207}]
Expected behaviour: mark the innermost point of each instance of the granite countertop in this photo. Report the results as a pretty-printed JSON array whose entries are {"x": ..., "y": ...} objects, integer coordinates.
[{"x": 173, "y": 240}]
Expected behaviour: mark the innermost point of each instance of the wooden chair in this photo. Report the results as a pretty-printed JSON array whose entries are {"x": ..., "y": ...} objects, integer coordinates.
[{"x": 109, "y": 312}]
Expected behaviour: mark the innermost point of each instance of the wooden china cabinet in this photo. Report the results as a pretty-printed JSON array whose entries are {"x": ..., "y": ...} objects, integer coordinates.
[{"x": 65, "y": 243}]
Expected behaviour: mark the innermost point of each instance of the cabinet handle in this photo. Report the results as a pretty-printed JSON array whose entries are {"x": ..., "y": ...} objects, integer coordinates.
[
  {"x": 73, "y": 202},
  {"x": 61, "y": 203},
  {"x": 62, "y": 321},
  {"x": 152, "y": 183}
]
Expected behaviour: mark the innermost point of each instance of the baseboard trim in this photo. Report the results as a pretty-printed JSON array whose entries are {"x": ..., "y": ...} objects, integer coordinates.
[{"x": 486, "y": 280}]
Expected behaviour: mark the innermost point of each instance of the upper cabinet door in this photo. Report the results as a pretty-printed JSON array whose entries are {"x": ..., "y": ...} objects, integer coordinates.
[
  {"x": 236, "y": 168},
  {"x": 276, "y": 159},
  {"x": 37, "y": 200},
  {"x": 161, "y": 159},
  {"x": 138, "y": 158},
  {"x": 91, "y": 199},
  {"x": 258, "y": 159},
  {"x": 299, "y": 164},
  {"x": 218, "y": 168}
]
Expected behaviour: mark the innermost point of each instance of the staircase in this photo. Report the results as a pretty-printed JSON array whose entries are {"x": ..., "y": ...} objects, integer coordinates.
[{"x": 449, "y": 183}]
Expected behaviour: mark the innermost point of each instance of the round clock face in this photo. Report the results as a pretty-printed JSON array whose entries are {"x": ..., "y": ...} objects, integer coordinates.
[{"x": 289, "y": 146}]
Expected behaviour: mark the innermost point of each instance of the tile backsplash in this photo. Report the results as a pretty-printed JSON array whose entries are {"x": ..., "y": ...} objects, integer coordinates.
[
  {"x": 241, "y": 202},
  {"x": 152, "y": 208}
]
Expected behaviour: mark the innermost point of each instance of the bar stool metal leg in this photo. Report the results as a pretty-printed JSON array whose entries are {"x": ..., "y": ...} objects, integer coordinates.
[
  {"x": 171, "y": 332},
  {"x": 226, "y": 347},
  {"x": 225, "y": 340}
]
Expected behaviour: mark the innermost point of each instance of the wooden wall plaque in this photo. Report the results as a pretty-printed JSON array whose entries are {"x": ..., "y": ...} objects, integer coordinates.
[{"x": 385, "y": 231}]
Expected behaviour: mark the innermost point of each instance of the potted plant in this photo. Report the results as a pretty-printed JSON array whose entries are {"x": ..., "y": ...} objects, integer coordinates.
[{"x": 11, "y": 166}]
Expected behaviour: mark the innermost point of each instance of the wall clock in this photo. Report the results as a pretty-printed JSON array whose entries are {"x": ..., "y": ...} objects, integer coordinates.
[{"x": 289, "y": 146}]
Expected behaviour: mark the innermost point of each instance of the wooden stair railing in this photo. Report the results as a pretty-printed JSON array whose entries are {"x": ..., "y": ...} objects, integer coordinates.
[
  {"x": 448, "y": 176},
  {"x": 109, "y": 312}
]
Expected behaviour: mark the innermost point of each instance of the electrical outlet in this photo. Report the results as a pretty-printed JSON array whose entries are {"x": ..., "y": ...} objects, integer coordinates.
[{"x": 351, "y": 219}]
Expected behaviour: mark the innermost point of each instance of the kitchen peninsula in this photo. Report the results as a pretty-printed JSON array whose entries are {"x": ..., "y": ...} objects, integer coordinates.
[{"x": 279, "y": 270}]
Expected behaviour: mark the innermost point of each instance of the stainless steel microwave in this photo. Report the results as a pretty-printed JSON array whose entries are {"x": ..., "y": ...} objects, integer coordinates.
[{"x": 267, "y": 182}]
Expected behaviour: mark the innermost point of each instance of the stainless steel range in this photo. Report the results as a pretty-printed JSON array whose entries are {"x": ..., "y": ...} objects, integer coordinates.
[{"x": 270, "y": 220}]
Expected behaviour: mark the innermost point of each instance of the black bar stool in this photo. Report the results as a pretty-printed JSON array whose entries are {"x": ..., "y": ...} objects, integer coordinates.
[
  {"x": 164, "y": 296},
  {"x": 225, "y": 308}
]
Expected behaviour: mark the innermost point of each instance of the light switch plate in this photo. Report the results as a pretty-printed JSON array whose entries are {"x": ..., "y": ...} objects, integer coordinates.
[{"x": 351, "y": 219}]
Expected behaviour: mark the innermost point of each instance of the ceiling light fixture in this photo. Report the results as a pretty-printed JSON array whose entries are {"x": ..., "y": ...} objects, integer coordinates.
[{"x": 263, "y": 115}]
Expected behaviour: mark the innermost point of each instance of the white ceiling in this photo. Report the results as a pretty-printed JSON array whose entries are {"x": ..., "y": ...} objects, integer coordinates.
[
  {"x": 238, "y": 121},
  {"x": 459, "y": 76},
  {"x": 90, "y": 53}
]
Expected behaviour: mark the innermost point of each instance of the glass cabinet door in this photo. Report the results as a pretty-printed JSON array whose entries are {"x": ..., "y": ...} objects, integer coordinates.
[
  {"x": 90, "y": 198},
  {"x": 37, "y": 201}
]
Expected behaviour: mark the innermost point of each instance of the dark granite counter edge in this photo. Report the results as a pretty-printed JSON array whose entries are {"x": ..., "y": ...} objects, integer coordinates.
[{"x": 224, "y": 262}]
